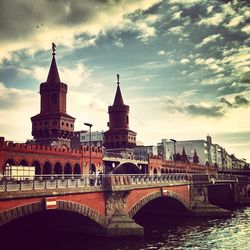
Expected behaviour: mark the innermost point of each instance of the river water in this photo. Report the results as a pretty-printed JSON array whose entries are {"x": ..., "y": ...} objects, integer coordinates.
[{"x": 172, "y": 233}]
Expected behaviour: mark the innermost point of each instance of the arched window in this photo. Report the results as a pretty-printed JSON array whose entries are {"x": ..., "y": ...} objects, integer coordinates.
[
  {"x": 67, "y": 169},
  {"x": 47, "y": 168},
  {"x": 77, "y": 169},
  {"x": 37, "y": 166},
  {"x": 54, "y": 98},
  {"x": 23, "y": 163},
  {"x": 58, "y": 168}
]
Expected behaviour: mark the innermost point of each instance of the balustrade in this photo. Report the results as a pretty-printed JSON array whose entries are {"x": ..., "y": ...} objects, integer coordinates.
[{"x": 25, "y": 183}]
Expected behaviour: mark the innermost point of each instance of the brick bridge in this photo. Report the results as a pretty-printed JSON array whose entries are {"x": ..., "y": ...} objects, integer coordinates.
[{"x": 112, "y": 201}]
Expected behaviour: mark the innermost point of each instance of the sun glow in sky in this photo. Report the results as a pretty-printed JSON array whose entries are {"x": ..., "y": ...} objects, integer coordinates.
[{"x": 183, "y": 65}]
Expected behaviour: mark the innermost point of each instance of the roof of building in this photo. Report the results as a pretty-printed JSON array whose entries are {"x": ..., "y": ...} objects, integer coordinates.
[
  {"x": 53, "y": 76},
  {"x": 118, "y": 101}
]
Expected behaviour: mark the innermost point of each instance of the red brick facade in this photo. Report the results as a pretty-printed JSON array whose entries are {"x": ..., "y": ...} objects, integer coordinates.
[
  {"x": 119, "y": 137},
  {"x": 91, "y": 204},
  {"x": 49, "y": 160},
  {"x": 53, "y": 126},
  {"x": 157, "y": 165}
]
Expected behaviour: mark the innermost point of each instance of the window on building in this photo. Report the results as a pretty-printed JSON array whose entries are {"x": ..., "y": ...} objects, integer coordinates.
[{"x": 54, "y": 98}]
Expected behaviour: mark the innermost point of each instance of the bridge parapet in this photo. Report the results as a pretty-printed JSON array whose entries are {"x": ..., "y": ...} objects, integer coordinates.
[
  {"x": 26, "y": 148},
  {"x": 127, "y": 182},
  {"x": 89, "y": 182},
  {"x": 123, "y": 160},
  {"x": 108, "y": 181}
]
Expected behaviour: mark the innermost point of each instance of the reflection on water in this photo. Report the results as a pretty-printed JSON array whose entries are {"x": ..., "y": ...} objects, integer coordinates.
[{"x": 231, "y": 233}]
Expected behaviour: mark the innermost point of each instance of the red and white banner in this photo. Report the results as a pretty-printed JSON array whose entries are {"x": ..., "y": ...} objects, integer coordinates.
[
  {"x": 50, "y": 203},
  {"x": 165, "y": 192}
]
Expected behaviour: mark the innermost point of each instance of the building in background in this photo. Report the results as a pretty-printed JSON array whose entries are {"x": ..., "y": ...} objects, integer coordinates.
[
  {"x": 208, "y": 153},
  {"x": 145, "y": 151},
  {"x": 82, "y": 138},
  {"x": 238, "y": 163}
]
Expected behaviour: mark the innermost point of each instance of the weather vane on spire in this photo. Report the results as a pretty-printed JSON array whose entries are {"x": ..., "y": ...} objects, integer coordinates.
[
  {"x": 53, "y": 48},
  {"x": 118, "y": 78}
]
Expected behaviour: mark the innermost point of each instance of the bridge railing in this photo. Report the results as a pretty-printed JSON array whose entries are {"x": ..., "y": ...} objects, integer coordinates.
[
  {"x": 137, "y": 179},
  {"x": 125, "y": 156},
  {"x": 18, "y": 183},
  {"x": 223, "y": 177},
  {"x": 25, "y": 183}
]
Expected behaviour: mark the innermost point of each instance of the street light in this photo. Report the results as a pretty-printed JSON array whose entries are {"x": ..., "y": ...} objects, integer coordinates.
[
  {"x": 89, "y": 125},
  {"x": 174, "y": 141}
]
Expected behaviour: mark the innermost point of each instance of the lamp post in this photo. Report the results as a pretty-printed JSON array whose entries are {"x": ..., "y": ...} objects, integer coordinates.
[
  {"x": 174, "y": 157},
  {"x": 89, "y": 125}
]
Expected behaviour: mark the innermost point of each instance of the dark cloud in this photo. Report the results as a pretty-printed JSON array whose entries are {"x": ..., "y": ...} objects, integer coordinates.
[
  {"x": 199, "y": 110},
  {"x": 241, "y": 101},
  {"x": 172, "y": 105},
  {"x": 224, "y": 100},
  {"x": 9, "y": 98},
  {"x": 19, "y": 19},
  {"x": 233, "y": 88},
  {"x": 239, "y": 137},
  {"x": 194, "y": 12}
]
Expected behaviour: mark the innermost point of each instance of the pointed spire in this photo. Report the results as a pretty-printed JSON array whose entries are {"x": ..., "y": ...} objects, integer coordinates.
[
  {"x": 53, "y": 76},
  {"x": 195, "y": 157},
  {"x": 184, "y": 155},
  {"x": 118, "y": 101}
]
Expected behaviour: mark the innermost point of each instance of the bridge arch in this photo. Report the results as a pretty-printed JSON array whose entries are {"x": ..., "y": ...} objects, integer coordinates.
[
  {"x": 127, "y": 168},
  {"x": 92, "y": 168},
  {"x": 23, "y": 163},
  {"x": 77, "y": 169},
  {"x": 67, "y": 169},
  {"x": 58, "y": 168},
  {"x": 37, "y": 166},
  {"x": 47, "y": 168},
  {"x": 27, "y": 209},
  {"x": 9, "y": 162},
  {"x": 82, "y": 209},
  {"x": 152, "y": 196}
]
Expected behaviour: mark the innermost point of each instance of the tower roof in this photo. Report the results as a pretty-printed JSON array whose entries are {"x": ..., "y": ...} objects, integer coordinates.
[
  {"x": 53, "y": 76},
  {"x": 118, "y": 101}
]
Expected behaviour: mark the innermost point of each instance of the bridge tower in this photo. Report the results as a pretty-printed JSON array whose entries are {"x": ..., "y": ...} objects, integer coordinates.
[
  {"x": 53, "y": 126},
  {"x": 119, "y": 138}
]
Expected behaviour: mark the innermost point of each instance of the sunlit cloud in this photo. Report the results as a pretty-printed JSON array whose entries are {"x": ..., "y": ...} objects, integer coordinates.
[{"x": 184, "y": 62}]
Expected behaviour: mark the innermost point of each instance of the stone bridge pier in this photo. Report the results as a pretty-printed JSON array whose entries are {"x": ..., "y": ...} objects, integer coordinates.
[
  {"x": 200, "y": 204},
  {"x": 119, "y": 222},
  {"x": 123, "y": 201}
]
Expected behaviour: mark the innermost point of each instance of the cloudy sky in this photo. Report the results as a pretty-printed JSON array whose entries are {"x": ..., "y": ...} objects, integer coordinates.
[{"x": 183, "y": 64}]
